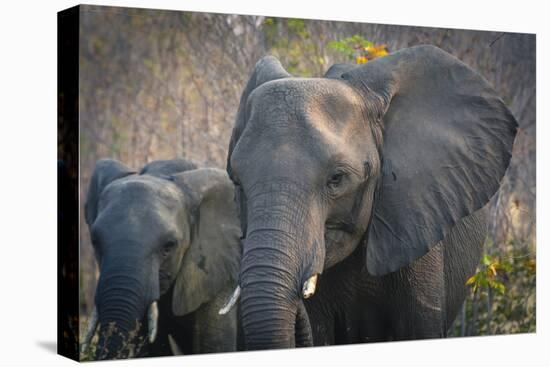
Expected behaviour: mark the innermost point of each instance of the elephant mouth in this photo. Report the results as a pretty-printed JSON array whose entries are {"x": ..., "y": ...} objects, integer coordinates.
[
  {"x": 338, "y": 231},
  {"x": 341, "y": 239},
  {"x": 334, "y": 236},
  {"x": 341, "y": 226}
]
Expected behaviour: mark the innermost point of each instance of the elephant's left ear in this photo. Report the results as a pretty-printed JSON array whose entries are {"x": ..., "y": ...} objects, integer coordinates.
[
  {"x": 447, "y": 141},
  {"x": 268, "y": 68},
  {"x": 212, "y": 261}
]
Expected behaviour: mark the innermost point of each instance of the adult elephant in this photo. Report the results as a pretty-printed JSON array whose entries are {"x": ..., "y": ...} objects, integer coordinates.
[
  {"x": 370, "y": 180},
  {"x": 167, "y": 241}
]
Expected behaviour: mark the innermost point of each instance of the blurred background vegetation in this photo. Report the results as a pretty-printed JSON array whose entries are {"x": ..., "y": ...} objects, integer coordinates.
[{"x": 162, "y": 84}]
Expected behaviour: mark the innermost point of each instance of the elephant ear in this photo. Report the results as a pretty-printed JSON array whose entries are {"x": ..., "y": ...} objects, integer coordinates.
[
  {"x": 105, "y": 172},
  {"x": 267, "y": 68},
  {"x": 167, "y": 167},
  {"x": 447, "y": 143},
  {"x": 212, "y": 261},
  {"x": 336, "y": 70}
]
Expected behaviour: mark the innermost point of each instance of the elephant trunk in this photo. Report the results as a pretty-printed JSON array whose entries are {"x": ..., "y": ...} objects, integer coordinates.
[
  {"x": 111, "y": 345},
  {"x": 122, "y": 301},
  {"x": 276, "y": 263},
  {"x": 303, "y": 333},
  {"x": 268, "y": 302}
]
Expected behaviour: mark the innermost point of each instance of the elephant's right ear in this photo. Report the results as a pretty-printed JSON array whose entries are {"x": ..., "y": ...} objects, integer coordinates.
[
  {"x": 267, "y": 68},
  {"x": 105, "y": 172},
  {"x": 212, "y": 261}
]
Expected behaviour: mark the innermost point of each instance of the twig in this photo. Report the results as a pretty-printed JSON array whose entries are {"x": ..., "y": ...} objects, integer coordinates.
[{"x": 496, "y": 39}]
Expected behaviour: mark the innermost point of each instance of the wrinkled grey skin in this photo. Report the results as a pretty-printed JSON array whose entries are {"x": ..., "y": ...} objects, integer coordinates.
[
  {"x": 374, "y": 177},
  {"x": 170, "y": 234}
]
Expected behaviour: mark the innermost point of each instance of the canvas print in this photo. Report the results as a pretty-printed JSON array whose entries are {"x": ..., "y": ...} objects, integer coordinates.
[{"x": 231, "y": 183}]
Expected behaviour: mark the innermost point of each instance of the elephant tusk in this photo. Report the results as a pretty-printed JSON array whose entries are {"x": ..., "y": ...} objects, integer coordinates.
[
  {"x": 153, "y": 318},
  {"x": 90, "y": 331},
  {"x": 234, "y": 297},
  {"x": 176, "y": 350},
  {"x": 308, "y": 289}
]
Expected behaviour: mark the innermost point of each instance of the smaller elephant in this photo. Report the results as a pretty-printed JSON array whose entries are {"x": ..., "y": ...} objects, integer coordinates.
[{"x": 167, "y": 241}]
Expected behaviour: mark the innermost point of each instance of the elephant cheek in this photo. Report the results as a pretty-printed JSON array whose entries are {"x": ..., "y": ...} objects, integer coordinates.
[{"x": 339, "y": 245}]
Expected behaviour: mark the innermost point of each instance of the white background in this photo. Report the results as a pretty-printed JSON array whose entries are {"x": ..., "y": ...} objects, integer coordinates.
[{"x": 28, "y": 151}]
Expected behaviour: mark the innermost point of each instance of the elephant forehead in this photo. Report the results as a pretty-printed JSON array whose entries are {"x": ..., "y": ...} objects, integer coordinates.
[
  {"x": 143, "y": 191},
  {"x": 300, "y": 121},
  {"x": 139, "y": 209},
  {"x": 299, "y": 98},
  {"x": 326, "y": 110}
]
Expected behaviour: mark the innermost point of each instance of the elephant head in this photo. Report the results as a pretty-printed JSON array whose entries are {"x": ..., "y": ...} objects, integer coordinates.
[
  {"x": 168, "y": 227},
  {"x": 390, "y": 155}
]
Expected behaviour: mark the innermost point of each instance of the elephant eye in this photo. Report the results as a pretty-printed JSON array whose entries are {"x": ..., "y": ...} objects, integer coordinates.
[
  {"x": 168, "y": 247},
  {"x": 335, "y": 179}
]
